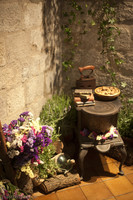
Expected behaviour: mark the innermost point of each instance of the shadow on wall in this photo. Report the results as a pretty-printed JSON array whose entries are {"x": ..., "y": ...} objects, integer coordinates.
[{"x": 52, "y": 44}]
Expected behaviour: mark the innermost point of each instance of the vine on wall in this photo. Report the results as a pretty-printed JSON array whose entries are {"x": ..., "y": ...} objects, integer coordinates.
[{"x": 103, "y": 15}]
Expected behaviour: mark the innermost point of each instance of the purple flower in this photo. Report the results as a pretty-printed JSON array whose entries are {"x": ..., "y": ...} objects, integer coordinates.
[
  {"x": 13, "y": 122},
  {"x": 21, "y": 119},
  {"x": 5, "y": 127},
  {"x": 111, "y": 136},
  {"x": 47, "y": 141},
  {"x": 24, "y": 114}
]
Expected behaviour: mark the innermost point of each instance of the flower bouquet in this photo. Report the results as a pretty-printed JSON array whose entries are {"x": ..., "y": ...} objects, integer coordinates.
[
  {"x": 25, "y": 141},
  {"x": 112, "y": 133},
  {"x": 9, "y": 192}
]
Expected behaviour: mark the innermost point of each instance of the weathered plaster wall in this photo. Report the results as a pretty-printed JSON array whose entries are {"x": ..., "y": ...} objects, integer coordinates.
[
  {"x": 29, "y": 55},
  {"x": 88, "y": 51}
]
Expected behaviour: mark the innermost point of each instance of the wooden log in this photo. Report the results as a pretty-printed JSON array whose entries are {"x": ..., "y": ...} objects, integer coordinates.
[
  {"x": 59, "y": 182},
  {"x": 9, "y": 172}
]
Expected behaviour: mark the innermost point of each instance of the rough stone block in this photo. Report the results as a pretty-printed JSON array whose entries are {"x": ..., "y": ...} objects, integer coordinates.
[
  {"x": 10, "y": 75},
  {"x": 19, "y": 45},
  {"x": 3, "y": 111},
  {"x": 35, "y": 65},
  {"x": 34, "y": 88},
  {"x": 15, "y": 99},
  {"x": 10, "y": 16},
  {"x": 43, "y": 65},
  {"x": 125, "y": 12},
  {"x": 37, "y": 39},
  {"x": 2, "y": 52},
  {"x": 123, "y": 40},
  {"x": 36, "y": 107},
  {"x": 33, "y": 14},
  {"x": 25, "y": 65},
  {"x": 49, "y": 81}
]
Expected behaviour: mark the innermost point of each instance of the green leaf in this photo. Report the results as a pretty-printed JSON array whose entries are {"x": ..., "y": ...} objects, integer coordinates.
[
  {"x": 123, "y": 84},
  {"x": 75, "y": 44},
  {"x": 112, "y": 48},
  {"x": 111, "y": 21},
  {"x": 107, "y": 62},
  {"x": 89, "y": 12},
  {"x": 130, "y": 100},
  {"x": 119, "y": 61},
  {"x": 114, "y": 84},
  {"x": 93, "y": 23},
  {"x": 102, "y": 67}
]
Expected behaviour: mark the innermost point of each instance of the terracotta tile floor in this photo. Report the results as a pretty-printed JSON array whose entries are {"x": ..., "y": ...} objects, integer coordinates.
[{"x": 102, "y": 182}]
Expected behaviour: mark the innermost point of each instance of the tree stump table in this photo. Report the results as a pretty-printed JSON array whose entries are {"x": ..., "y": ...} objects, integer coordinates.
[{"x": 99, "y": 118}]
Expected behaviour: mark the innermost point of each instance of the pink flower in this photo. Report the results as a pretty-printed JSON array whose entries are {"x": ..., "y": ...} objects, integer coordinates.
[
  {"x": 104, "y": 138},
  {"x": 24, "y": 138},
  {"x": 21, "y": 148},
  {"x": 82, "y": 133}
]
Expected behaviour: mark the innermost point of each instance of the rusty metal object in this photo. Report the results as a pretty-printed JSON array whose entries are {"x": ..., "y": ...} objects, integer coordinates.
[
  {"x": 86, "y": 81},
  {"x": 89, "y": 67}
]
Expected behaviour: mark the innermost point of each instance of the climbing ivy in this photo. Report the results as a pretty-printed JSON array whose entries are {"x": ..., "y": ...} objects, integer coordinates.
[{"x": 103, "y": 14}]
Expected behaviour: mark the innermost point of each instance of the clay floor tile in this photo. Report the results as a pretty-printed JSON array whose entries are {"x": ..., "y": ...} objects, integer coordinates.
[
  {"x": 51, "y": 196},
  {"x": 130, "y": 177},
  {"x": 128, "y": 196},
  {"x": 37, "y": 194},
  {"x": 106, "y": 159},
  {"x": 107, "y": 171},
  {"x": 119, "y": 186},
  {"x": 97, "y": 191},
  {"x": 112, "y": 198},
  {"x": 93, "y": 179},
  {"x": 71, "y": 194},
  {"x": 90, "y": 174},
  {"x": 126, "y": 169}
]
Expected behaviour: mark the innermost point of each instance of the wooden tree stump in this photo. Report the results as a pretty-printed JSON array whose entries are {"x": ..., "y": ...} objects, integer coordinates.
[{"x": 59, "y": 182}]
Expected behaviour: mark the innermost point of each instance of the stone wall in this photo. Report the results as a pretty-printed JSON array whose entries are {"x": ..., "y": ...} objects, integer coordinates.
[
  {"x": 29, "y": 55},
  {"x": 31, "y": 49},
  {"x": 89, "y": 50}
]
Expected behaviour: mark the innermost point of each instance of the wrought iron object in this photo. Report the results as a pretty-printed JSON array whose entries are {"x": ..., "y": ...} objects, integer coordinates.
[{"x": 86, "y": 81}]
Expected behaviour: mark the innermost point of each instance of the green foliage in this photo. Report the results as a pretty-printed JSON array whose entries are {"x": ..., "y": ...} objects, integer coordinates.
[
  {"x": 103, "y": 14},
  {"x": 49, "y": 167},
  {"x": 57, "y": 112},
  {"x": 125, "y": 119},
  {"x": 11, "y": 192}
]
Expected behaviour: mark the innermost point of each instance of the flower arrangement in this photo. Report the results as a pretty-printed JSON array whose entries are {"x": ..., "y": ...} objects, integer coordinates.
[
  {"x": 112, "y": 133},
  {"x": 10, "y": 192},
  {"x": 25, "y": 140}
]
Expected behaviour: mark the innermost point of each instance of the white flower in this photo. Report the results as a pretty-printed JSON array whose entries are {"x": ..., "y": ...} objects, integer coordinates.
[
  {"x": 22, "y": 128},
  {"x": 112, "y": 129},
  {"x": 41, "y": 162},
  {"x": 36, "y": 124},
  {"x": 115, "y": 135},
  {"x": 8, "y": 144},
  {"x": 30, "y": 115},
  {"x": 13, "y": 153},
  {"x": 14, "y": 131},
  {"x": 108, "y": 134},
  {"x": 99, "y": 137},
  {"x": 35, "y": 163}
]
